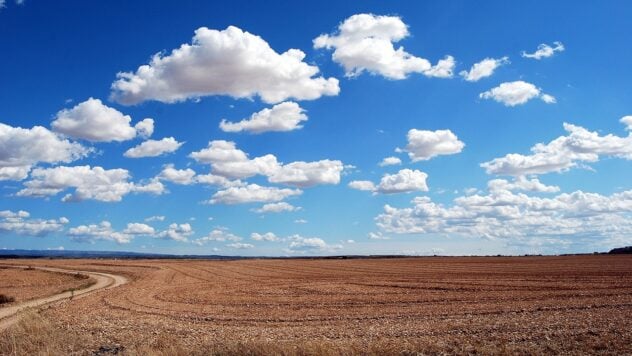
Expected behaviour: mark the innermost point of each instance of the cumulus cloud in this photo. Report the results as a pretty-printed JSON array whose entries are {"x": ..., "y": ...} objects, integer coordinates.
[
  {"x": 228, "y": 161},
  {"x": 516, "y": 93},
  {"x": 377, "y": 236},
  {"x": 390, "y": 161},
  {"x": 88, "y": 183},
  {"x": 286, "y": 116},
  {"x": 240, "y": 246},
  {"x": 307, "y": 174},
  {"x": 544, "y": 51},
  {"x": 252, "y": 193},
  {"x": 217, "y": 235},
  {"x": 404, "y": 181},
  {"x": 93, "y": 121},
  {"x": 520, "y": 183},
  {"x": 229, "y": 62},
  {"x": 424, "y": 145},
  {"x": 20, "y": 223},
  {"x": 365, "y": 42},
  {"x": 627, "y": 120},
  {"x": 579, "y": 146},
  {"x": 299, "y": 243},
  {"x": 268, "y": 236},
  {"x": 483, "y": 69},
  {"x": 178, "y": 176},
  {"x": 20, "y": 149},
  {"x": 153, "y": 148},
  {"x": 95, "y": 232},
  {"x": 502, "y": 213},
  {"x": 365, "y": 185},
  {"x": 155, "y": 218},
  {"x": 139, "y": 229},
  {"x": 176, "y": 232},
  {"x": 277, "y": 208}
]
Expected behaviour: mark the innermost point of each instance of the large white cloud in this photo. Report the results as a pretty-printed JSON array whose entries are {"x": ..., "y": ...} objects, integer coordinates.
[
  {"x": 277, "y": 208},
  {"x": 404, "y": 181},
  {"x": 88, "y": 183},
  {"x": 153, "y": 148},
  {"x": 93, "y": 121},
  {"x": 20, "y": 223},
  {"x": 424, "y": 145},
  {"x": 229, "y": 62},
  {"x": 252, "y": 193},
  {"x": 578, "y": 147},
  {"x": 483, "y": 69},
  {"x": 544, "y": 51},
  {"x": 516, "y": 93},
  {"x": 188, "y": 176},
  {"x": 286, "y": 116},
  {"x": 364, "y": 42},
  {"x": 228, "y": 161},
  {"x": 307, "y": 174},
  {"x": 176, "y": 232},
  {"x": 268, "y": 236},
  {"x": 627, "y": 120},
  {"x": 502, "y": 213},
  {"x": 95, "y": 232},
  {"x": 302, "y": 244},
  {"x": 20, "y": 149}
]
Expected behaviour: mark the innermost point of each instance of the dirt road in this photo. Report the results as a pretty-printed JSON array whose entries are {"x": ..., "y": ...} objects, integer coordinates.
[{"x": 10, "y": 315}]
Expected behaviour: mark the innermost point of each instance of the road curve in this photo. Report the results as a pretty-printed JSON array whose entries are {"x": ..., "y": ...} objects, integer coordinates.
[{"x": 10, "y": 315}]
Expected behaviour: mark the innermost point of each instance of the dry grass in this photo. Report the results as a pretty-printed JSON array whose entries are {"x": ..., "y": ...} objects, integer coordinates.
[
  {"x": 534, "y": 305},
  {"x": 5, "y": 299}
]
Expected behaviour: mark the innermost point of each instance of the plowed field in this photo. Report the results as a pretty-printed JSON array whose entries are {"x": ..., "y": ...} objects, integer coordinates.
[{"x": 573, "y": 304}]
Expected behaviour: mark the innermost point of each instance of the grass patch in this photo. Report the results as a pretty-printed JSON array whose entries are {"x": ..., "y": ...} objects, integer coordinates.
[{"x": 5, "y": 299}]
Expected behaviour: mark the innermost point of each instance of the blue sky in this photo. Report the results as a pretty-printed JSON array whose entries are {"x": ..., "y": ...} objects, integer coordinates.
[{"x": 507, "y": 127}]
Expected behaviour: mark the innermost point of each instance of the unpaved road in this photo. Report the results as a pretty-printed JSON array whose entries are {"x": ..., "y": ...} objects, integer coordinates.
[{"x": 10, "y": 315}]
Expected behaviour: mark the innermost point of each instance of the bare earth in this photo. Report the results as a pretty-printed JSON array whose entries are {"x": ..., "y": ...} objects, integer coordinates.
[
  {"x": 25, "y": 284},
  {"x": 497, "y": 305}
]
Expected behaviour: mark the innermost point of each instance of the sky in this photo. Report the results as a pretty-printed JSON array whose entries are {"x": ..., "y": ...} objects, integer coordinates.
[{"x": 316, "y": 128}]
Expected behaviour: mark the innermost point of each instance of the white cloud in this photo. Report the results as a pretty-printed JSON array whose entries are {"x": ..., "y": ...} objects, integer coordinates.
[
  {"x": 88, "y": 183},
  {"x": 20, "y": 223},
  {"x": 307, "y": 174},
  {"x": 286, "y": 116},
  {"x": 516, "y": 93},
  {"x": 390, "y": 161},
  {"x": 563, "y": 153},
  {"x": 483, "y": 69},
  {"x": 178, "y": 176},
  {"x": 378, "y": 236},
  {"x": 252, "y": 193},
  {"x": 139, "y": 229},
  {"x": 404, "y": 181},
  {"x": 300, "y": 221},
  {"x": 217, "y": 235},
  {"x": 364, "y": 42},
  {"x": 155, "y": 218},
  {"x": 103, "y": 231},
  {"x": 424, "y": 145},
  {"x": 20, "y": 149},
  {"x": 93, "y": 121},
  {"x": 176, "y": 232},
  {"x": 229, "y": 62},
  {"x": 505, "y": 214},
  {"x": 240, "y": 246},
  {"x": 268, "y": 236},
  {"x": 520, "y": 183},
  {"x": 365, "y": 185},
  {"x": 277, "y": 208},
  {"x": 544, "y": 51},
  {"x": 153, "y": 148},
  {"x": 299, "y": 243},
  {"x": 627, "y": 120},
  {"x": 145, "y": 128},
  {"x": 228, "y": 161}
]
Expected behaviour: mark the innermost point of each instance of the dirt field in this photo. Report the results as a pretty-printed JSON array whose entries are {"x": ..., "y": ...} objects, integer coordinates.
[
  {"x": 531, "y": 305},
  {"x": 27, "y": 284}
]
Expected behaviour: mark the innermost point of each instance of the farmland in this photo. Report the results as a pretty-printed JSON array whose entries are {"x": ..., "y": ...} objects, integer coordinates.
[
  {"x": 25, "y": 284},
  {"x": 570, "y": 304}
]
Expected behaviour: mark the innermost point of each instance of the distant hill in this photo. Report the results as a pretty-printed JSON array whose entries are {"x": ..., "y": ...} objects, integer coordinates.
[
  {"x": 621, "y": 250},
  {"x": 99, "y": 254}
]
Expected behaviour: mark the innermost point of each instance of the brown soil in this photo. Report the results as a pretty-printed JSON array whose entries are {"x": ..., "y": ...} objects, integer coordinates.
[
  {"x": 490, "y": 305},
  {"x": 26, "y": 284}
]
